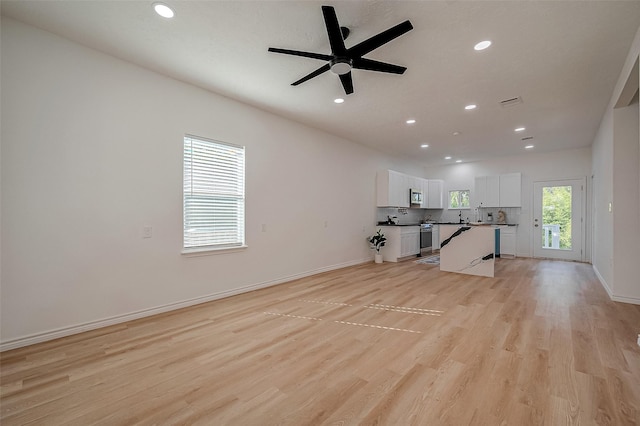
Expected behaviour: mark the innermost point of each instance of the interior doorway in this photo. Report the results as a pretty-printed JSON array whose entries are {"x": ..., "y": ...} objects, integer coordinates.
[{"x": 558, "y": 219}]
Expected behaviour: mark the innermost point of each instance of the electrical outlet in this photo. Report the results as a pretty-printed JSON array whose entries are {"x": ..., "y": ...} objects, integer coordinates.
[{"x": 147, "y": 232}]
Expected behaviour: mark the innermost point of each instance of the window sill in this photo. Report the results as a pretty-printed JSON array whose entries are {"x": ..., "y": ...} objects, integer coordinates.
[{"x": 209, "y": 251}]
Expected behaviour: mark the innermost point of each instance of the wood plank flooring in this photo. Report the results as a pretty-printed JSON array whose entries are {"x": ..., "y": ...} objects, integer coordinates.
[{"x": 389, "y": 344}]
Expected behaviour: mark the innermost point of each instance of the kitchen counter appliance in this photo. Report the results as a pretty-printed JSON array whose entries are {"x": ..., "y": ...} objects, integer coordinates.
[
  {"x": 426, "y": 238},
  {"x": 415, "y": 195}
]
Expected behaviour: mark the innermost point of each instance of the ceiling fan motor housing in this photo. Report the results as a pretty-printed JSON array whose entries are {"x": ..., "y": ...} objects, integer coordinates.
[{"x": 341, "y": 66}]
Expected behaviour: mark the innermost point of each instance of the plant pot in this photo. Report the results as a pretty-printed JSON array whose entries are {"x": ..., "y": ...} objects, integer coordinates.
[{"x": 378, "y": 258}]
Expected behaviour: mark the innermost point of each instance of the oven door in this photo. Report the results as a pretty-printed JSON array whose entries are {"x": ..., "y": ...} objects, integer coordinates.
[{"x": 426, "y": 239}]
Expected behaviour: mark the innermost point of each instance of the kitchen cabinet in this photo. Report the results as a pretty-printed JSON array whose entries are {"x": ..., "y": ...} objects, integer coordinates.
[
  {"x": 435, "y": 237},
  {"x": 434, "y": 196},
  {"x": 392, "y": 189},
  {"x": 498, "y": 191},
  {"x": 402, "y": 241},
  {"x": 510, "y": 190},
  {"x": 508, "y": 238},
  {"x": 409, "y": 240}
]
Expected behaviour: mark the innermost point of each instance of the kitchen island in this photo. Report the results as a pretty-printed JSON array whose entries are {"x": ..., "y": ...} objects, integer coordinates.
[{"x": 467, "y": 249}]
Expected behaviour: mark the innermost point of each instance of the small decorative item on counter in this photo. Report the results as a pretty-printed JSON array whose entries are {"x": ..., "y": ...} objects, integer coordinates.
[
  {"x": 377, "y": 242},
  {"x": 502, "y": 217}
]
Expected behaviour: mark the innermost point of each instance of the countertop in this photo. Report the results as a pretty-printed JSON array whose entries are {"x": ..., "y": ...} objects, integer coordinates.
[
  {"x": 448, "y": 223},
  {"x": 476, "y": 224}
]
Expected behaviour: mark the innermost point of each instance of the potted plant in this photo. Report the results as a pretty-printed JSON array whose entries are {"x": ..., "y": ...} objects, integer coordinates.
[{"x": 377, "y": 242}]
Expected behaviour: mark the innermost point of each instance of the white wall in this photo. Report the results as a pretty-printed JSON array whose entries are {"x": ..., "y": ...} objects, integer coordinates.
[
  {"x": 626, "y": 212},
  {"x": 535, "y": 167},
  {"x": 616, "y": 170},
  {"x": 92, "y": 152}
]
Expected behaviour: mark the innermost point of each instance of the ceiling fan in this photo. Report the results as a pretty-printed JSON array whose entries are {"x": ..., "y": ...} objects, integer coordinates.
[{"x": 342, "y": 60}]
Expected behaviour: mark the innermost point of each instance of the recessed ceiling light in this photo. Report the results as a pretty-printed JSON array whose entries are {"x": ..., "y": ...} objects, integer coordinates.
[
  {"x": 456, "y": 133},
  {"x": 163, "y": 10},
  {"x": 458, "y": 161},
  {"x": 519, "y": 129},
  {"x": 411, "y": 121},
  {"x": 448, "y": 157},
  {"x": 472, "y": 106},
  {"x": 424, "y": 145},
  {"x": 482, "y": 45},
  {"x": 338, "y": 100},
  {"x": 528, "y": 147}
]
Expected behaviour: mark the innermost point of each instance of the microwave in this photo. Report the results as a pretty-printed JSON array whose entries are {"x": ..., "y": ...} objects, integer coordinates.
[{"x": 415, "y": 197}]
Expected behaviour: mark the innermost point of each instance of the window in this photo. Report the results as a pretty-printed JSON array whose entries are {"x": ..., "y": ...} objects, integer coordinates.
[
  {"x": 213, "y": 196},
  {"x": 459, "y": 199}
]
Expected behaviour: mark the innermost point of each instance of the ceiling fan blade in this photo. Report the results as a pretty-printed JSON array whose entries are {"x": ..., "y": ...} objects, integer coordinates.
[
  {"x": 368, "y": 64},
  {"x": 333, "y": 31},
  {"x": 305, "y": 54},
  {"x": 347, "y": 83},
  {"x": 378, "y": 40},
  {"x": 316, "y": 73}
]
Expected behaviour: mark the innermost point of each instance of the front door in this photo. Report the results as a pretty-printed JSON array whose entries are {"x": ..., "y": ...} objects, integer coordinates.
[{"x": 558, "y": 224}]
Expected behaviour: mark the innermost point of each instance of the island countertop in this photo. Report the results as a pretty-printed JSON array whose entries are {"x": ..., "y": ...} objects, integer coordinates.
[{"x": 467, "y": 249}]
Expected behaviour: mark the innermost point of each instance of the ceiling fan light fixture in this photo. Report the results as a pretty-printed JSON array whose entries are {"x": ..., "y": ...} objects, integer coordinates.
[
  {"x": 470, "y": 107},
  {"x": 338, "y": 100},
  {"x": 482, "y": 45},
  {"x": 341, "y": 66},
  {"x": 411, "y": 121},
  {"x": 163, "y": 10},
  {"x": 424, "y": 145}
]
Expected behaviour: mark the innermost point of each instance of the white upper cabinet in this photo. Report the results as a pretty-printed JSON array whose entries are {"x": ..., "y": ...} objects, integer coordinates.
[
  {"x": 498, "y": 191},
  {"x": 392, "y": 189},
  {"x": 424, "y": 184},
  {"x": 434, "y": 194},
  {"x": 511, "y": 190},
  {"x": 479, "y": 192},
  {"x": 493, "y": 192}
]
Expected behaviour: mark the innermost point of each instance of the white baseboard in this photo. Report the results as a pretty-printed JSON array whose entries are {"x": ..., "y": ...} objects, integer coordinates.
[
  {"x": 603, "y": 281},
  {"x": 612, "y": 296},
  {"x": 118, "y": 319}
]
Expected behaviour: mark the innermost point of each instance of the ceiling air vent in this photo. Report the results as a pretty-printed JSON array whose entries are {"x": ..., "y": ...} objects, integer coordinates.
[
  {"x": 527, "y": 138},
  {"x": 511, "y": 102}
]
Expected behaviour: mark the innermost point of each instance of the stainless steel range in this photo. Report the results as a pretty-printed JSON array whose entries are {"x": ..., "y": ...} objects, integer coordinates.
[{"x": 426, "y": 239}]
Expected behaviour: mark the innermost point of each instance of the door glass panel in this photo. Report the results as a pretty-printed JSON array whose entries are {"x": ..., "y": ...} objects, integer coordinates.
[{"x": 556, "y": 217}]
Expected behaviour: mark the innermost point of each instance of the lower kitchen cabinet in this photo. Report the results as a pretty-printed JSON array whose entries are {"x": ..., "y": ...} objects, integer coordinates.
[
  {"x": 508, "y": 236},
  {"x": 402, "y": 241},
  {"x": 435, "y": 237}
]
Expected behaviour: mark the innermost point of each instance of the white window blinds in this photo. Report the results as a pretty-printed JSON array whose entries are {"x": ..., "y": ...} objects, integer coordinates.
[{"x": 213, "y": 194}]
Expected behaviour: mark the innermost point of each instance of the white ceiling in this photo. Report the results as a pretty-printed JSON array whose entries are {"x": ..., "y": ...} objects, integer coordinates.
[{"x": 562, "y": 57}]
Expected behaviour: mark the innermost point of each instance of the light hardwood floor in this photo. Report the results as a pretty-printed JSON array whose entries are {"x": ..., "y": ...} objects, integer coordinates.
[{"x": 390, "y": 344}]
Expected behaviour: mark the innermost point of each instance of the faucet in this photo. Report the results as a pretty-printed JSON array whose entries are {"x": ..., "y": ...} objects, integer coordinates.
[{"x": 460, "y": 216}]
